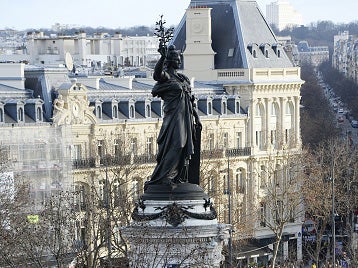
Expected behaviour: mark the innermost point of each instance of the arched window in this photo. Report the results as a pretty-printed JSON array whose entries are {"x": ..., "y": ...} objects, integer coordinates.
[
  {"x": 274, "y": 109},
  {"x": 147, "y": 111},
  {"x": 289, "y": 108},
  {"x": 279, "y": 53},
  {"x": 21, "y": 114},
  {"x": 240, "y": 180},
  {"x": 115, "y": 111},
  {"x": 259, "y": 110},
  {"x": 223, "y": 107},
  {"x": 99, "y": 112},
  {"x": 1, "y": 115},
  {"x": 254, "y": 54},
  {"x": 237, "y": 107},
  {"x": 210, "y": 108},
  {"x": 131, "y": 111},
  {"x": 266, "y": 53},
  {"x": 38, "y": 114}
]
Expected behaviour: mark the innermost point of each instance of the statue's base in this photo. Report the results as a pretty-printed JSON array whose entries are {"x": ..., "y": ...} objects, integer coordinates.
[
  {"x": 180, "y": 191},
  {"x": 175, "y": 226}
]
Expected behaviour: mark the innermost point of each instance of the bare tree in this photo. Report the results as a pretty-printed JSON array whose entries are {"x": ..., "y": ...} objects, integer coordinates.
[
  {"x": 281, "y": 203},
  {"x": 331, "y": 172}
]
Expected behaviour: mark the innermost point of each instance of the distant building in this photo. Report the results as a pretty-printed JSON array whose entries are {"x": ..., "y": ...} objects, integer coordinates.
[
  {"x": 93, "y": 51},
  {"x": 312, "y": 55},
  {"x": 282, "y": 15},
  {"x": 345, "y": 55}
]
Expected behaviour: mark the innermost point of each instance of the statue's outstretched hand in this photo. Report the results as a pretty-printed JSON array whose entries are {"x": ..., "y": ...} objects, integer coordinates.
[{"x": 162, "y": 50}]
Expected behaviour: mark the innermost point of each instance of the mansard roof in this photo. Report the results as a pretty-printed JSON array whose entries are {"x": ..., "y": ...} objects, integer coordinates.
[
  {"x": 9, "y": 92},
  {"x": 237, "y": 25}
]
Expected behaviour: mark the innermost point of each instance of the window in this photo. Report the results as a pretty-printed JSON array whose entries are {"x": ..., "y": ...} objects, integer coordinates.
[
  {"x": 254, "y": 53},
  {"x": 240, "y": 181},
  {"x": 259, "y": 110},
  {"x": 39, "y": 114},
  {"x": 131, "y": 111},
  {"x": 287, "y": 136},
  {"x": 223, "y": 107},
  {"x": 262, "y": 214},
  {"x": 80, "y": 202},
  {"x": 117, "y": 147},
  {"x": 149, "y": 146},
  {"x": 225, "y": 140},
  {"x": 274, "y": 109},
  {"x": 100, "y": 148},
  {"x": 1, "y": 115},
  {"x": 134, "y": 146},
  {"x": 259, "y": 139},
  {"x": 99, "y": 112},
  {"x": 266, "y": 53},
  {"x": 279, "y": 53},
  {"x": 210, "y": 108},
  {"x": 76, "y": 152},
  {"x": 211, "y": 141},
  {"x": 115, "y": 111},
  {"x": 21, "y": 114},
  {"x": 273, "y": 137},
  {"x": 147, "y": 111},
  {"x": 237, "y": 107},
  {"x": 263, "y": 178},
  {"x": 238, "y": 140}
]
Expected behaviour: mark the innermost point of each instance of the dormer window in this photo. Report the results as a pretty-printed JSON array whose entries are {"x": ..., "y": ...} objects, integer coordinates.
[
  {"x": 147, "y": 111},
  {"x": 237, "y": 107},
  {"x": 264, "y": 49},
  {"x": 131, "y": 111},
  {"x": 210, "y": 108},
  {"x": 38, "y": 114},
  {"x": 20, "y": 114},
  {"x": 224, "y": 107},
  {"x": 115, "y": 112},
  {"x": 99, "y": 112},
  {"x": 277, "y": 50}
]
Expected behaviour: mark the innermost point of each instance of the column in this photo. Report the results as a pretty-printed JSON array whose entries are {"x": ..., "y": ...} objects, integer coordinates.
[{"x": 297, "y": 120}]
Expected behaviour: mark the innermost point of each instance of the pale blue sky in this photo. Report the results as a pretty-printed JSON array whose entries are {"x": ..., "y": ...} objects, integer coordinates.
[{"x": 24, "y": 14}]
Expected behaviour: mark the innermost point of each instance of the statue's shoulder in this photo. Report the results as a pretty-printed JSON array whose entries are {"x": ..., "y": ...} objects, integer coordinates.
[{"x": 184, "y": 77}]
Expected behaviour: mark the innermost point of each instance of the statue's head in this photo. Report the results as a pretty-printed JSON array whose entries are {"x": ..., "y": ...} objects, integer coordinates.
[{"x": 173, "y": 56}]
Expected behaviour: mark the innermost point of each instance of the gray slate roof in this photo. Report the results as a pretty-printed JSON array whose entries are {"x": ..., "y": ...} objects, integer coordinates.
[{"x": 235, "y": 25}]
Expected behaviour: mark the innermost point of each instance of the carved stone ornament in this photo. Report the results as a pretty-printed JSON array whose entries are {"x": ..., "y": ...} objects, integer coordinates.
[
  {"x": 174, "y": 214},
  {"x": 72, "y": 106}
]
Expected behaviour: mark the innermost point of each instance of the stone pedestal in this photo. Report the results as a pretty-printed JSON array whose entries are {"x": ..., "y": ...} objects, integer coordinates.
[{"x": 175, "y": 226}]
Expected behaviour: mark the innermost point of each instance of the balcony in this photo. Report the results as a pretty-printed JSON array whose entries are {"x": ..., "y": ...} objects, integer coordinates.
[
  {"x": 216, "y": 153},
  {"x": 246, "y": 151},
  {"x": 84, "y": 163},
  {"x": 144, "y": 159}
]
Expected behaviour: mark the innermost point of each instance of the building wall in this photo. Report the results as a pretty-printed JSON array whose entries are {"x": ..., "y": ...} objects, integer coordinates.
[{"x": 282, "y": 15}]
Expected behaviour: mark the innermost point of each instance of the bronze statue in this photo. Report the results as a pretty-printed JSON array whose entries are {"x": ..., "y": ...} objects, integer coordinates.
[{"x": 178, "y": 133}]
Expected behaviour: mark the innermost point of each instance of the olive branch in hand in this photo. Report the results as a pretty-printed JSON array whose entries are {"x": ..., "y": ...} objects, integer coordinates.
[{"x": 164, "y": 35}]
